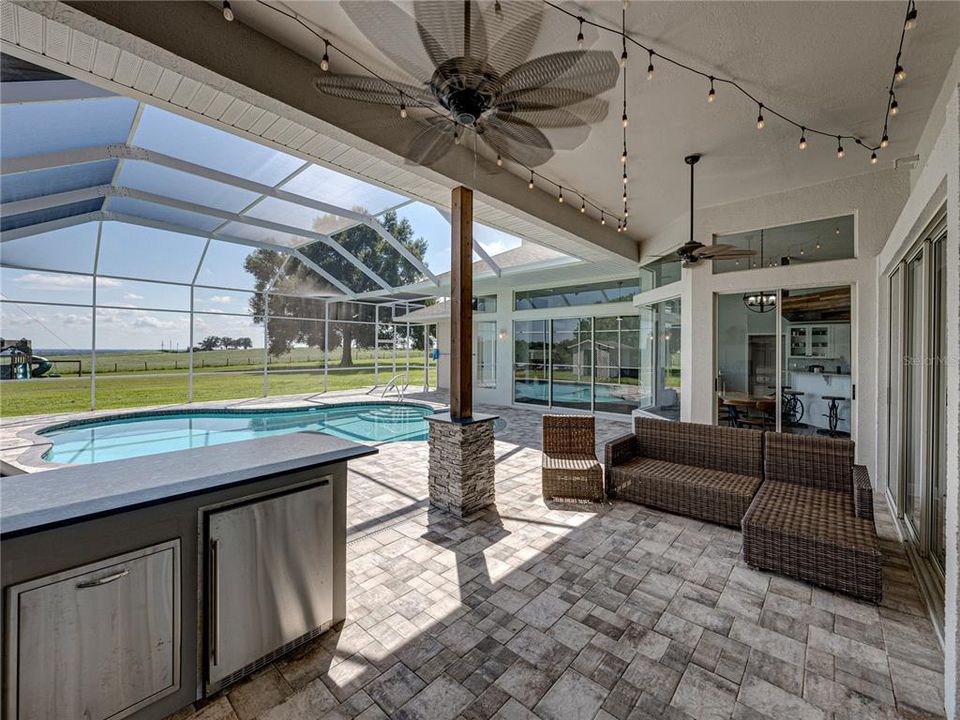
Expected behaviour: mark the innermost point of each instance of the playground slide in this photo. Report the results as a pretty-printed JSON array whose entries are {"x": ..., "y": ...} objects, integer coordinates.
[{"x": 41, "y": 366}]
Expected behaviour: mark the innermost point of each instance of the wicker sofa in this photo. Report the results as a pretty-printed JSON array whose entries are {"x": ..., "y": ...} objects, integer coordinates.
[
  {"x": 569, "y": 465},
  {"x": 813, "y": 517},
  {"x": 708, "y": 472}
]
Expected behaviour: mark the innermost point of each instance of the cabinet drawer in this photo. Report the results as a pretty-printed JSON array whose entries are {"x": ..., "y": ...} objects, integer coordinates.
[{"x": 98, "y": 641}]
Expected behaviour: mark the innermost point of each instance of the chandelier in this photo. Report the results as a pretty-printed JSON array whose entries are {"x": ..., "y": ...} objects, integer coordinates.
[{"x": 760, "y": 302}]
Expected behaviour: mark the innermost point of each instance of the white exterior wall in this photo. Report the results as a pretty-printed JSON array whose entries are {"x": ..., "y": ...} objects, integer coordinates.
[
  {"x": 875, "y": 200},
  {"x": 936, "y": 183}
]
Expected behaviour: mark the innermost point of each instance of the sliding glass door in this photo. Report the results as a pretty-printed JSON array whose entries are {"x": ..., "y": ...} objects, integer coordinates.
[
  {"x": 571, "y": 364},
  {"x": 660, "y": 359},
  {"x": 916, "y": 462},
  {"x": 784, "y": 360}
]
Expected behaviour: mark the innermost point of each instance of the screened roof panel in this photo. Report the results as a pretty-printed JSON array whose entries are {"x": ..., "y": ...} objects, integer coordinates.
[
  {"x": 56, "y": 180},
  {"x": 211, "y": 300},
  {"x": 141, "y": 252},
  {"x": 38, "y": 128},
  {"x": 299, "y": 216},
  {"x": 223, "y": 266},
  {"x": 164, "y": 213},
  {"x": 134, "y": 294},
  {"x": 204, "y": 145},
  {"x": 35, "y": 217},
  {"x": 183, "y": 186},
  {"x": 69, "y": 249},
  {"x": 252, "y": 232},
  {"x": 320, "y": 183}
]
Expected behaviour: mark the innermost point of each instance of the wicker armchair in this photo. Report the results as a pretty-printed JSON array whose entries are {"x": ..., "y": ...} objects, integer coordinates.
[
  {"x": 813, "y": 517},
  {"x": 569, "y": 465}
]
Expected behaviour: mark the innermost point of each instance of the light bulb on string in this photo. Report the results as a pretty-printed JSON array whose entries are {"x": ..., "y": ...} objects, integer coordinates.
[
  {"x": 530, "y": 184},
  {"x": 403, "y": 108},
  {"x": 603, "y": 219},
  {"x": 760, "y": 122},
  {"x": 625, "y": 120},
  {"x": 560, "y": 196},
  {"x": 499, "y": 160},
  {"x": 840, "y": 152},
  {"x": 625, "y": 178},
  {"x": 650, "y": 70},
  {"x": 498, "y": 10},
  {"x": 580, "y": 34},
  {"x": 803, "y": 138},
  {"x": 583, "y": 206},
  {"x": 456, "y": 135},
  {"x": 894, "y": 105},
  {"x": 325, "y": 60},
  {"x": 623, "y": 157},
  {"x": 910, "y": 22},
  {"x": 899, "y": 73},
  {"x": 873, "y": 158},
  {"x": 227, "y": 11},
  {"x": 885, "y": 141},
  {"x": 712, "y": 95}
]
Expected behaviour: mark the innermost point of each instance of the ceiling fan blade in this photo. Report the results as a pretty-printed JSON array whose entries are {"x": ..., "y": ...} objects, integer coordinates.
[
  {"x": 513, "y": 33},
  {"x": 517, "y": 140},
  {"x": 555, "y": 117},
  {"x": 372, "y": 90},
  {"x": 717, "y": 252},
  {"x": 393, "y": 32},
  {"x": 591, "y": 72},
  {"x": 451, "y": 29},
  {"x": 548, "y": 98},
  {"x": 565, "y": 136},
  {"x": 432, "y": 143}
]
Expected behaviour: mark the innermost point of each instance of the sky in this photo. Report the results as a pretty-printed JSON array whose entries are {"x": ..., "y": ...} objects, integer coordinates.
[{"x": 145, "y": 314}]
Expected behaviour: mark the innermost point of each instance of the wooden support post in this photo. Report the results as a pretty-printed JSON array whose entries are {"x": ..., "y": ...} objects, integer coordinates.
[{"x": 461, "y": 303}]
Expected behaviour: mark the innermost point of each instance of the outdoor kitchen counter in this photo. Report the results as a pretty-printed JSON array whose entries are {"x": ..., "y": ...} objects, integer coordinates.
[
  {"x": 118, "y": 559},
  {"x": 40, "y": 501}
]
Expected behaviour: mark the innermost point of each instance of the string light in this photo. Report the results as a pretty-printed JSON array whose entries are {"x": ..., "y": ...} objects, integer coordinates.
[
  {"x": 884, "y": 141},
  {"x": 650, "y": 70},
  {"x": 873, "y": 158},
  {"x": 325, "y": 60},
  {"x": 760, "y": 122},
  {"x": 625, "y": 178},
  {"x": 580, "y": 35},
  {"x": 403, "y": 107},
  {"x": 899, "y": 73},
  {"x": 840, "y": 152},
  {"x": 456, "y": 135},
  {"x": 560, "y": 196},
  {"x": 626, "y": 212},
  {"x": 894, "y": 106},
  {"x": 603, "y": 219},
  {"x": 498, "y": 10},
  {"x": 499, "y": 160},
  {"x": 530, "y": 184},
  {"x": 227, "y": 11},
  {"x": 625, "y": 120},
  {"x": 910, "y": 21},
  {"x": 623, "y": 157},
  {"x": 712, "y": 95},
  {"x": 583, "y": 205},
  {"x": 803, "y": 138}
]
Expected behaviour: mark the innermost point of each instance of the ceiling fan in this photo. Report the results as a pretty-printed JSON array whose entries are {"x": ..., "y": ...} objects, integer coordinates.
[
  {"x": 692, "y": 252},
  {"x": 471, "y": 71}
]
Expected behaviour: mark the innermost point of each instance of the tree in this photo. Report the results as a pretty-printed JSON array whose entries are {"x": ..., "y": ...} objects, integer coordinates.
[
  {"x": 210, "y": 342},
  {"x": 244, "y": 343},
  {"x": 295, "y": 302}
]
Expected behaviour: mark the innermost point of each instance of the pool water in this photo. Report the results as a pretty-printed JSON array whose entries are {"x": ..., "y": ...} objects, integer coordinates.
[{"x": 127, "y": 437}]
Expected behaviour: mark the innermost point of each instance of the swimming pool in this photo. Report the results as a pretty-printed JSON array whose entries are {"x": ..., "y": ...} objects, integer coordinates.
[{"x": 116, "y": 438}]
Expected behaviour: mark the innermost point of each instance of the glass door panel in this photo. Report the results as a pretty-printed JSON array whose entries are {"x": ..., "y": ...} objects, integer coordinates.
[
  {"x": 913, "y": 464},
  {"x": 531, "y": 383},
  {"x": 616, "y": 364},
  {"x": 571, "y": 346},
  {"x": 895, "y": 381},
  {"x": 815, "y": 395},
  {"x": 938, "y": 486},
  {"x": 486, "y": 354},
  {"x": 746, "y": 357}
]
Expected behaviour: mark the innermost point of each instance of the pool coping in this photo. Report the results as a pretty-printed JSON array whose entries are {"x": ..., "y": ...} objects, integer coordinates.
[{"x": 27, "y": 453}]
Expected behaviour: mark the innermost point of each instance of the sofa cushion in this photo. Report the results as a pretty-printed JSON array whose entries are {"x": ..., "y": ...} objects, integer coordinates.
[
  {"x": 818, "y": 462},
  {"x": 703, "y": 493},
  {"x": 730, "y": 450},
  {"x": 569, "y": 461},
  {"x": 813, "y": 535}
]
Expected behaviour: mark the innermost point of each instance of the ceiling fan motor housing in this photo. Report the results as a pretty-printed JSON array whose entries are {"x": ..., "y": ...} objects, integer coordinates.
[{"x": 467, "y": 87}]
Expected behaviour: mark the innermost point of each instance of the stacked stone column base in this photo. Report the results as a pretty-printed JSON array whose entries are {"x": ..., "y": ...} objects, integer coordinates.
[{"x": 461, "y": 475}]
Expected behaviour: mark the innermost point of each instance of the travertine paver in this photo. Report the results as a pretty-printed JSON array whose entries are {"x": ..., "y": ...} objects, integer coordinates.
[{"x": 583, "y": 611}]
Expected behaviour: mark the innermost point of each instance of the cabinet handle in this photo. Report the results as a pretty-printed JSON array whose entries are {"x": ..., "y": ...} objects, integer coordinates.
[
  {"x": 103, "y": 581},
  {"x": 215, "y": 601}
]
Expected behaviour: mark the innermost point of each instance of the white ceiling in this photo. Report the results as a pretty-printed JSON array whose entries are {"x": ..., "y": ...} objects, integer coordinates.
[{"x": 827, "y": 65}]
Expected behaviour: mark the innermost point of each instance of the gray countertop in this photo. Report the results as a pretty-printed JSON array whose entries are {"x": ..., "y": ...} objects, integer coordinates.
[{"x": 38, "y": 501}]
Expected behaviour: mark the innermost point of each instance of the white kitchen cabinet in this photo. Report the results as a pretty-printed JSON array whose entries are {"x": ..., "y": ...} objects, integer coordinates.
[
  {"x": 96, "y": 642},
  {"x": 814, "y": 341}
]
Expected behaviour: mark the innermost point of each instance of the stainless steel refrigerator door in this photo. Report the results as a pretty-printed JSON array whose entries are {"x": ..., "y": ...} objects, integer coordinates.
[{"x": 270, "y": 567}]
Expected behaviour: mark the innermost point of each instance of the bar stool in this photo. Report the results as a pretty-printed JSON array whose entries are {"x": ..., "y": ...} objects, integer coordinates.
[{"x": 833, "y": 414}]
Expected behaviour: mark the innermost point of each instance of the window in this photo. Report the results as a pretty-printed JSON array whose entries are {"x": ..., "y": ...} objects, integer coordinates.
[
  {"x": 660, "y": 272},
  {"x": 485, "y": 304},
  {"x": 797, "y": 244},
  {"x": 486, "y": 354},
  {"x": 575, "y": 295},
  {"x": 658, "y": 386}
]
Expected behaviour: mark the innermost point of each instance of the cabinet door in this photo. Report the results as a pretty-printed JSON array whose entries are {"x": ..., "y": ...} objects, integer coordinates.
[
  {"x": 821, "y": 341},
  {"x": 99, "y": 641},
  {"x": 798, "y": 341}
]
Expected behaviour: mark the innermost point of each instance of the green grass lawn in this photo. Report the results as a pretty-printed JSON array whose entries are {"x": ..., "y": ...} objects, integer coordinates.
[{"x": 56, "y": 395}]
